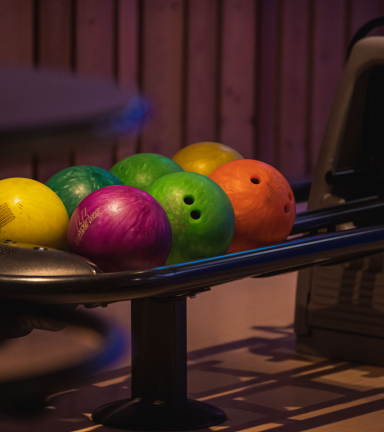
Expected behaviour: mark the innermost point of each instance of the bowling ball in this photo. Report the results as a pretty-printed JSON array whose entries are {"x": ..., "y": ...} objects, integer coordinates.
[
  {"x": 73, "y": 184},
  {"x": 204, "y": 157},
  {"x": 263, "y": 202},
  {"x": 201, "y": 215},
  {"x": 120, "y": 228},
  {"x": 32, "y": 213},
  {"x": 141, "y": 170}
]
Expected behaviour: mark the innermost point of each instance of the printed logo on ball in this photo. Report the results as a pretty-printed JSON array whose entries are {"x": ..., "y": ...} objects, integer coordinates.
[
  {"x": 6, "y": 215},
  {"x": 83, "y": 221}
]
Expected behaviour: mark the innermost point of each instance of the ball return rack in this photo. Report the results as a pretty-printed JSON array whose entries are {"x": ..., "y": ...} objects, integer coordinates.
[{"x": 158, "y": 300}]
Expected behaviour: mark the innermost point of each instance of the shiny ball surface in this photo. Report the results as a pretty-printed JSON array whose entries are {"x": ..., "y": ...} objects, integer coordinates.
[
  {"x": 205, "y": 157},
  {"x": 120, "y": 228},
  {"x": 73, "y": 184},
  {"x": 201, "y": 215},
  {"x": 263, "y": 202},
  {"x": 31, "y": 212},
  {"x": 142, "y": 169}
]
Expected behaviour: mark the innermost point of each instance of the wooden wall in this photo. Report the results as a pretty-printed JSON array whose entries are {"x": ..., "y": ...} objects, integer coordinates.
[{"x": 257, "y": 75}]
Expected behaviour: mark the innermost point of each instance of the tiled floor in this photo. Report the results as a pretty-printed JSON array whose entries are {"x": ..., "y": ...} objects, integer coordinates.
[{"x": 241, "y": 359}]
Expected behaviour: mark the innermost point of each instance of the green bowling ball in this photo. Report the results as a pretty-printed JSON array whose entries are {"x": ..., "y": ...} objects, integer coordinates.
[
  {"x": 75, "y": 183},
  {"x": 200, "y": 212},
  {"x": 142, "y": 169}
]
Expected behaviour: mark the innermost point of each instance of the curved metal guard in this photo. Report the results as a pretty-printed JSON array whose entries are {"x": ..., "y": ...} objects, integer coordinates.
[{"x": 175, "y": 279}]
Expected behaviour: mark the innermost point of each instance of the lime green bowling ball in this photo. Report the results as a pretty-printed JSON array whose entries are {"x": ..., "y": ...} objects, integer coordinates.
[
  {"x": 75, "y": 183},
  {"x": 200, "y": 212},
  {"x": 142, "y": 169}
]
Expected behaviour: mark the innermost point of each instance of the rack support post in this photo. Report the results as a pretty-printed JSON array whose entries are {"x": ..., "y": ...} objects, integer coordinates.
[{"x": 159, "y": 374}]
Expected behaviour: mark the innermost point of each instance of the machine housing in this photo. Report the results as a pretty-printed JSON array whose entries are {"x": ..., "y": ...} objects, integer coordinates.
[{"x": 340, "y": 308}]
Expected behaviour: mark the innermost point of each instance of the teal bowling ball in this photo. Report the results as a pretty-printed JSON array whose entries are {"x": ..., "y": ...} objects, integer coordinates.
[
  {"x": 75, "y": 183},
  {"x": 142, "y": 169},
  {"x": 200, "y": 212}
]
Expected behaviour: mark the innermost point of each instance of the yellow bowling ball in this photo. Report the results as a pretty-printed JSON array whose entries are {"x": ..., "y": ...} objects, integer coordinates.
[
  {"x": 205, "y": 157},
  {"x": 32, "y": 213}
]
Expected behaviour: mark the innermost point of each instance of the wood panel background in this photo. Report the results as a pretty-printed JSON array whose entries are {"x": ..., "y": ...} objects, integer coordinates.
[{"x": 257, "y": 75}]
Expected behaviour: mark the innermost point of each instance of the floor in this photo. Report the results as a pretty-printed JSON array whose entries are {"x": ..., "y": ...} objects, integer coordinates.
[{"x": 241, "y": 358}]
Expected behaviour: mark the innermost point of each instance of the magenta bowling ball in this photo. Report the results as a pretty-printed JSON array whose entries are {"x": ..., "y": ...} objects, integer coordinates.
[{"x": 120, "y": 228}]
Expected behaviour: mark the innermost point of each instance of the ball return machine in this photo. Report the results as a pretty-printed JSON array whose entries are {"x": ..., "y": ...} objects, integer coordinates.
[
  {"x": 343, "y": 224},
  {"x": 339, "y": 309}
]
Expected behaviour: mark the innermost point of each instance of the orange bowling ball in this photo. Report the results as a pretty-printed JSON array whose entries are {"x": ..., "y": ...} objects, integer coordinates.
[{"x": 263, "y": 202}]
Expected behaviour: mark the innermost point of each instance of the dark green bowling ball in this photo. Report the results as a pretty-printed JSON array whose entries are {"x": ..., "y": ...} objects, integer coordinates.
[
  {"x": 200, "y": 212},
  {"x": 75, "y": 183},
  {"x": 142, "y": 169}
]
